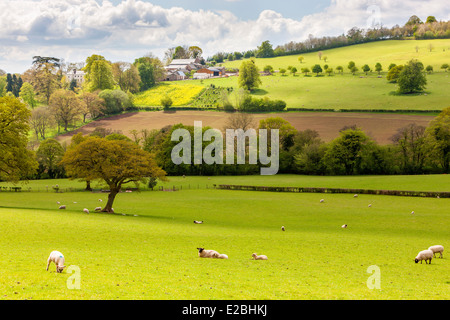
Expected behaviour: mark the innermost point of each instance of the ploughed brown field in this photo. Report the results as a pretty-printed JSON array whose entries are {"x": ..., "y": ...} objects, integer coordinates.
[{"x": 380, "y": 127}]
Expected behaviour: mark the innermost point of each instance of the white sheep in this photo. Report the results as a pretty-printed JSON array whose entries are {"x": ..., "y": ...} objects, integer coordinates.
[
  {"x": 198, "y": 222},
  {"x": 219, "y": 255},
  {"x": 437, "y": 249},
  {"x": 355, "y": 196},
  {"x": 322, "y": 200},
  {"x": 344, "y": 226},
  {"x": 370, "y": 205},
  {"x": 260, "y": 257},
  {"x": 58, "y": 258},
  {"x": 62, "y": 207},
  {"x": 202, "y": 253},
  {"x": 282, "y": 228},
  {"x": 426, "y": 255},
  {"x": 98, "y": 209},
  {"x": 86, "y": 210},
  {"x": 100, "y": 200}
]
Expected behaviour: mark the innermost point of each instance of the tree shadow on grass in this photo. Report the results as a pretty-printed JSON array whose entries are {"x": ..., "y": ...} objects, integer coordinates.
[
  {"x": 410, "y": 94},
  {"x": 259, "y": 92}
]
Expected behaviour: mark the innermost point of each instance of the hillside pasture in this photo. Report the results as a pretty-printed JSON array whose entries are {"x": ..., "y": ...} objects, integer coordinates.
[{"x": 148, "y": 249}]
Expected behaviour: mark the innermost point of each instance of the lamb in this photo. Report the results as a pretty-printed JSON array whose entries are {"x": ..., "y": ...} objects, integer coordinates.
[
  {"x": 62, "y": 207},
  {"x": 58, "y": 258},
  {"x": 202, "y": 253},
  {"x": 261, "y": 257},
  {"x": 86, "y": 210},
  {"x": 219, "y": 256},
  {"x": 437, "y": 249},
  {"x": 426, "y": 255}
]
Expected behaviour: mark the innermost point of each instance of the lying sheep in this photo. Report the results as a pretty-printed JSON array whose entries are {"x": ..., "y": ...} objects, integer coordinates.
[
  {"x": 261, "y": 257},
  {"x": 62, "y": 207},
  {"x": 58, "y": 258},
  {"x": 202, "y": 253},
  {"x": 198, "y": 222},
  {"x": 426, "y": 255},
  {"x": 98, "y": 209},
  {"x": 437, "y": 249},
  {"x": 219, "y": 256}
]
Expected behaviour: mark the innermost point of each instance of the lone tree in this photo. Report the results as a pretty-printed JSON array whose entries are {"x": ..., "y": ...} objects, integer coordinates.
[
  {"x": 411, "y": 78},
  {"x": 249, "y": 76},
  {"x": 16, "y": 161},
  {"x": 317, "y": 69},
  {"x": 115, "y": 162}
]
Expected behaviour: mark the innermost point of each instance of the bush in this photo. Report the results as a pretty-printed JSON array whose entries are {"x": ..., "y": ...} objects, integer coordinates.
[
  {"x": 262, "y": 105},
  {"x": 116, "y": 101},
  {"x": 166, "y": 102}
]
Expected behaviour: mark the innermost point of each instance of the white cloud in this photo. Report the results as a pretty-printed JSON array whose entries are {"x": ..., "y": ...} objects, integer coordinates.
[{"x": 75, "y": 29}]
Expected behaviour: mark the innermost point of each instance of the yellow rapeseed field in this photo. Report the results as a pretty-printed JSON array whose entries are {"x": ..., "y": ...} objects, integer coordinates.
[{"x": 181, "y": 94}]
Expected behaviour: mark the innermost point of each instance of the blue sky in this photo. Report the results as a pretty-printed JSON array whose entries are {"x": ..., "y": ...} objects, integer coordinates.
[
  {"x": 122, "y": 30},
  {"x": 248, "y": 9}
]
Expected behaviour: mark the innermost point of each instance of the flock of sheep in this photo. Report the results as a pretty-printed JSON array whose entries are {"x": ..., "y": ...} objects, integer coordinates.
[{"x": 58, "y": 258}]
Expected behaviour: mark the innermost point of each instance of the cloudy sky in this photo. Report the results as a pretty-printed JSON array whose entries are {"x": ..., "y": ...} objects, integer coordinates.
[{"x": 122, "y": 30}]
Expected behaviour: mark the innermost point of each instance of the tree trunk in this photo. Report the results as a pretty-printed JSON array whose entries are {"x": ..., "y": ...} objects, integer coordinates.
[
  {"x": 88, "y": 186},
  {"x": 111, "y": 196}
]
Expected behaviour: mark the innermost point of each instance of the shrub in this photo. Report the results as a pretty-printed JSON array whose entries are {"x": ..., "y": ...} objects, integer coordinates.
[{"x": 262, "y": 105}]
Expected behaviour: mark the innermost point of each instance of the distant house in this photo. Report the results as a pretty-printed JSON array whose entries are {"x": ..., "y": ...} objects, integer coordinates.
[
  {"x": 78, "y": 75},
  {"x": 184, "y": 64},
  {"x": 175, "y": 76},
  {"x": 209, "y": 73}
]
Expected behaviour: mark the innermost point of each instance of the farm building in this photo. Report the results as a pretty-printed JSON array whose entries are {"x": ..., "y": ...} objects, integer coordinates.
[
  {"x": 175, "y": 76},
  {"x": 209, "y": 72},
  {"x": 185, "y": 65}
]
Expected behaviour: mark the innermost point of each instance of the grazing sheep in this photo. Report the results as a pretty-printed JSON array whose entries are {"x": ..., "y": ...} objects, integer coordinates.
[
  {"x": 355, "y": 196},
  {"x": 426, "y": 255},
  {"x": 62, "y": 207},
  {"x": 198, "y": 222},
  {"x": 58, "y": 258},
  {"x": 344, "y": 226},
  {"x": 437, "y": 249},
  {"x": 322, "y": 200},
  {"x": 219, "y": 256},
  {"x": 282, "y": 228},
  {"x": 98, "y": 209},
  {"x": 86, "y": 210},
  {"x": 412, "y": 212},
  {"x": 57, "y": 202},
  {"x": 369, "y": 205},
  {"x": 100, "y": 200},
  {"x": 261, "y": 257},
  {"x": 202, "y": 253}
]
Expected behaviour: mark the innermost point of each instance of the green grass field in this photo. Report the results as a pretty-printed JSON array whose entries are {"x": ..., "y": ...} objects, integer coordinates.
[
  {"x": 150, "y": 252},
  {"x": 384, "y": 52},
  {"x": 359, "y": 91}
]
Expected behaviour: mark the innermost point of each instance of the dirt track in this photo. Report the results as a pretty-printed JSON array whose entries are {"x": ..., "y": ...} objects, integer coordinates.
[{"x": 379, "y": 126}]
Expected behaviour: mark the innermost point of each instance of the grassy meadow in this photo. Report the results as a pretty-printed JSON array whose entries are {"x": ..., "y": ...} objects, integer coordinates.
[{"x": 147, "y": 250}]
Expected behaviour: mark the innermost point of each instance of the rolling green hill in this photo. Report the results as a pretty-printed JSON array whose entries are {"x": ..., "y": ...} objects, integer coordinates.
[{"x": 359, "y": 91}]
